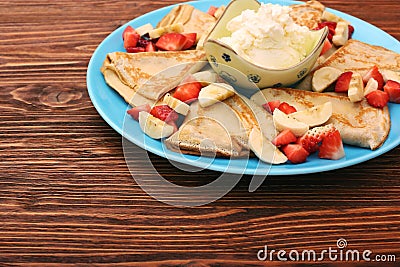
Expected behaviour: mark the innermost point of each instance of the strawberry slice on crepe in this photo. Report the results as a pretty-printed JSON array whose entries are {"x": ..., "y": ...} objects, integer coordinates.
[
  {"x": 393, "y": 90},
  {"x": 284, "y": 138},
  {"x": 343, "y": 82},
  {"x": 378, "y": 98},
  {"x": 295, "y": 153},
  {"x": 311, "y": 140},
  {"x": 332, "y": 146},
  {"x": 374, "y": 73}
]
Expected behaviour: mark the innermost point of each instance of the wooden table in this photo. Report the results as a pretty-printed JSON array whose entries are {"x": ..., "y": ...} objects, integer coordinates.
[{"x": 67, "y": 197}]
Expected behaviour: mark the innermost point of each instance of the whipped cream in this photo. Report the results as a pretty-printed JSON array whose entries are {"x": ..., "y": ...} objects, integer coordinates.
[{"x": 269, "y": 37}]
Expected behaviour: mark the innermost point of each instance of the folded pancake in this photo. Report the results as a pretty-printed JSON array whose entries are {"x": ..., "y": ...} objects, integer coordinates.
[
  {"x": 205, "y": 136},
  {"x": 144, "y": 77},
  {"x": 358, "y": 123},
  {"x": 129, "y": 94},
  {"x": 308, "y": 14},
  {"x": 220, "y": 129},
  {"x": 193, "y": 20},
  {"x": 358, "y": 57}
]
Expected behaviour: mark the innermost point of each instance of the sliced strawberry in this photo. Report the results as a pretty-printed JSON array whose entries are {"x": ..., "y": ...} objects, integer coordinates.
[
  {"x": 150, "y": 47},
  {"x": 378, "y": 98},
  {"x": 332, "y": 146},
  {"x": 271, "y": 106},
  {"x": 171, "y": 41},
  {"x": 211, "y": 10},
  {"x": 127, "y": 30},
  {"x": 295, "y": 153},
  {"x": 351, "y": 31},
  {"x": 329, "y": 24},
  {"x": 131, "y": 39},
  {"x": 331, "y": 27},
  {"x": 313, "y": 137},
  {"x": 327, "y": 46},
  {"x": 135, "y": 49},
  {"x": 393, "y": 90},
  {"x": 187, "y": 92},
  {"x": 164, "y": 113},
  {"x": 134, "y": 112},
  {"x": 285, "y": 137},
  {"x": 343, "y": 82},
  {"x": 374, "y": 73},
  {"x": 190, "y": 40},
  {"x": 286, "y": 108}
]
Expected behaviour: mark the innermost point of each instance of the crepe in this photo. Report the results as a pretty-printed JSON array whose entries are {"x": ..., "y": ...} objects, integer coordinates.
[
  {"x": 358, "y": 57},
  {"x": 205, "y": 136},
  {"x": 142, "y": 78},
  {"x": 358, "y": 123},
  {"x": 308, "y": 14},
  {"x": 221, "y": 129},
  {"x": 193, "y": 20}
]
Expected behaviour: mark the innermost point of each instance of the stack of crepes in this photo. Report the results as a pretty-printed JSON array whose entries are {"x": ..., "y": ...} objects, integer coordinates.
[{"x": 145, "y": 78}]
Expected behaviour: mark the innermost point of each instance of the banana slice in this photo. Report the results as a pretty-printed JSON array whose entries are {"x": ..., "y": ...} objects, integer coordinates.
[
  {"x": 324, "y": 77},
  {"x": 341, "y": 33},
  {"x": 372, "y": 85},
  {"x": 156, "y": 33},
  {"x": 356, "y": 88},
  {"x": 328, "y": 16},
  {"x": 146, "y": 28},
  {"x": 214, "y": 93},
  {"x": 176, "y": 104},
  {"x": 154, "y": 127},
  {"x": 314, "y": 116},
  {"x": 390, "y": 75},
  {"x": 264, "y": 149},
  {"x": 283, "y": 121},
  {"x": 205, "y": 77}
]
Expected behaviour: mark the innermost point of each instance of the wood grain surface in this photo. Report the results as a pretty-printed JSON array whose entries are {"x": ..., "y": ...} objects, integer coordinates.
[{"x": 67, "y": 197}]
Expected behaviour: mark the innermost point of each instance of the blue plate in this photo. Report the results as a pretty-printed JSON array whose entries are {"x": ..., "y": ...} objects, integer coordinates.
[{"x": 113, "y": 108}]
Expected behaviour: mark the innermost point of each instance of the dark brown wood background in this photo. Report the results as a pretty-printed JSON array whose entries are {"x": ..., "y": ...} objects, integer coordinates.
[{"x": 67, "y": 197}]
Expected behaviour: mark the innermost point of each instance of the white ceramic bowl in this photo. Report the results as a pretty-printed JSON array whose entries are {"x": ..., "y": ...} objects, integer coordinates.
[{"x": 243, "y": 73}]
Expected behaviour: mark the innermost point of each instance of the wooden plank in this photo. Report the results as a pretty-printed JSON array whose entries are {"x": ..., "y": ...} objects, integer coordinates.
[{"x": 67, "y": 197}]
